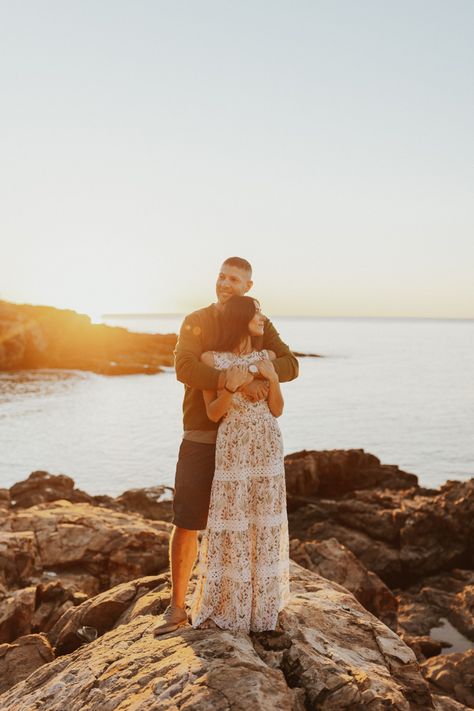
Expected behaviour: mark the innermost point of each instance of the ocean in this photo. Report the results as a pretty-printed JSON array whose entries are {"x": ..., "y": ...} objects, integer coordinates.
[{"x": 402, "y": 389}]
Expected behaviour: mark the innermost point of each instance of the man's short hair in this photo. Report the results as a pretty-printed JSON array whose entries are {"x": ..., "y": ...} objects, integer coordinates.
[{"x": 240, "y": 263}]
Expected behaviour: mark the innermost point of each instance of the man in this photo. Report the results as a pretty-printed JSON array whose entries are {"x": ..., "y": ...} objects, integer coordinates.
[{"x": 195, "y": 467}]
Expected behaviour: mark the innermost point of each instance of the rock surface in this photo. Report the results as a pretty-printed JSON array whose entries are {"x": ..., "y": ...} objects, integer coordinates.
[
  {"x": 20, "y": 659},
  {"x": 19, "y": 558},
  {"x": 111, "y": 545},
  {"x": 452, "y": 675},
  {"x": 328, "y": 653},
  {"x": 46, "y": 337},
  {"x": 16, "y": 612},
  {"x": 335, "y": 562},
  {"x": 73, "y": 566}
]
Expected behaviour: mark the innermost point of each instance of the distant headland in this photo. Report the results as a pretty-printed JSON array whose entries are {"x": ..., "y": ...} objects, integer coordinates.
[{"x": 47, "y": 337}]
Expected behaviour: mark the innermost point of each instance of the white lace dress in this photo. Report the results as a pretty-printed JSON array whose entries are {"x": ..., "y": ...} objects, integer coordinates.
[{"x": 243, "y": 567}]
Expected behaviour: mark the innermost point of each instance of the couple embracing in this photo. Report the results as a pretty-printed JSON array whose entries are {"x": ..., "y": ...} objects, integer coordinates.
[{"x": 230, "y": 477}]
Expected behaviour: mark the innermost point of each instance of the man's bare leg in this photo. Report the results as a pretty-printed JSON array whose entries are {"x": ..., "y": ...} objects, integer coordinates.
[{"x": 183, "y": 552}]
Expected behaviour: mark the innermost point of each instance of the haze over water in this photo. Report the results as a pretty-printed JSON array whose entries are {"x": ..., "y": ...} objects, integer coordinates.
[{"x": 401, "y": 389}]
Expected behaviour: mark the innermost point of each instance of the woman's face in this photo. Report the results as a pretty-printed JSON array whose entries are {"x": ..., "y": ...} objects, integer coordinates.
[{"x": 257, "y": 324}]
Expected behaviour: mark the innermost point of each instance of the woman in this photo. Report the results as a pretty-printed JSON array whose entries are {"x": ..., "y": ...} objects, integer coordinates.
[{"x": 243, "y": 568}]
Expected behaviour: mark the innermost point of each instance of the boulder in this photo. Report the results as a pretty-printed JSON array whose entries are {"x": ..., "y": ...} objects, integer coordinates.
[
  {"x": 20, "y": 659},
  {"x": 452, "y": 675},
  {"x": 332, "y": 473},
  {"x": 110, "y": 545},
  {"x": 104, "y": 611},
  {"x": 153, "y": 502},
  {"x": 424, "y": 646},
  {"x": 16, "y": 612},
  {"x": 19, "y": 557},
  {"x": 53, "y": 598},
  {"x": 335, "y": 562},
  {"x": 378, "y": 556},
  {"x": 42, "y": 486}
]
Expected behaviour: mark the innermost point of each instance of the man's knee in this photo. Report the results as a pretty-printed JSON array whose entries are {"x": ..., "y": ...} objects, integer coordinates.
[
  {"x": 179, "y": 532},
  {"x": 183, "y": 538}
]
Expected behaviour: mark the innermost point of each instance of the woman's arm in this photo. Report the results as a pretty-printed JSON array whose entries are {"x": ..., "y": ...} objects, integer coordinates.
[
  {"x": 218, "y": 403},
  {"x": 275, "y": 397}
]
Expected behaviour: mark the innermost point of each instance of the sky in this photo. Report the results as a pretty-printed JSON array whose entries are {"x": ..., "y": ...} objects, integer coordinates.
[{"x": 329, "y": 142}]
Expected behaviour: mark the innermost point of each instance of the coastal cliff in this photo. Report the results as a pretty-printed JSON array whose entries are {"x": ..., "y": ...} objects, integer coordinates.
[
  {"x": 46, "y": 337},
  {"x": 378, "y": 565}
]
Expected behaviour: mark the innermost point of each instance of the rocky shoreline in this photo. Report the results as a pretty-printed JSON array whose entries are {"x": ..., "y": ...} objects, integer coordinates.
[
  {"x": 46, "y": 337},
  {"x": 381, "y": 569}
]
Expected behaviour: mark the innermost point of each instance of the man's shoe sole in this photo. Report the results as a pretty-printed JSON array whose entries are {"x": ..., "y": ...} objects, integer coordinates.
[{"x": 165, "y": 630}]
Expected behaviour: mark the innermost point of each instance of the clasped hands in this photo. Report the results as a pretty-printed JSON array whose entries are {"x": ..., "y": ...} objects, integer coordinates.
[{"x": 255, "y": 389}]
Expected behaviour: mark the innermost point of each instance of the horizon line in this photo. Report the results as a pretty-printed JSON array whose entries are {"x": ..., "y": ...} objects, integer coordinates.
[
  {"x": 152, "y": 314},
  {"x": 92, "y": 314}
]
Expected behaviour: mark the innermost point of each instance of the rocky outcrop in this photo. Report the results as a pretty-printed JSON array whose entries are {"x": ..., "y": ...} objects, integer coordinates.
[
  {"x": 153, "y": 502},
  {"x": 17, "y": 608},
  {"x": 327, "y": 653},
  {"x": 336, "y": 562},
  {"x": 333, "y": 473},
  {"x": 446, "y": 595},
  {"x": 452, "y": 675},
  {"x": 54, "y": 555},
  {"x": 42, "y": 486},
  {"x": 46, "y": 337},
  {"x": 112, "y": 546},
  {"x": 19, "y": 558},
  {"x": 83, "y": 577},
  {"x": 21, "y": 658},
  {"x": 120, "y": 604},
  {"x": 397, "y": 529}
]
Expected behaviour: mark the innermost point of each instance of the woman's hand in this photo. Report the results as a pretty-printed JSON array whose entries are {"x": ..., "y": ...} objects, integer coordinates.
[
  {"x": 266, "y": 370},
  {"x": 256, "y": 390},
  {"x": 237, "y": 376}
]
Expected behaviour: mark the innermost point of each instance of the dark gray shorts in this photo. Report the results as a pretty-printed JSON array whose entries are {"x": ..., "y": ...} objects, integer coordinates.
[{"x": 193, "y": 482}]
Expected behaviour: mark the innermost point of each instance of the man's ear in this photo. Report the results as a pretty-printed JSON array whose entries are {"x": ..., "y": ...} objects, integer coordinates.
[{"x": 249, "y": 285}]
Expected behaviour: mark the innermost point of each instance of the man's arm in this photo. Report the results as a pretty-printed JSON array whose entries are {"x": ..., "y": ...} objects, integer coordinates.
[
  {"x": 285, "y": 364},
  {"x": 190, "y": 370}
]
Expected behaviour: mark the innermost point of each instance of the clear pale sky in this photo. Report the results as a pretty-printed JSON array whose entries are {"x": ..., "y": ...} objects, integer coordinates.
[{"x": 330, "y": 143}]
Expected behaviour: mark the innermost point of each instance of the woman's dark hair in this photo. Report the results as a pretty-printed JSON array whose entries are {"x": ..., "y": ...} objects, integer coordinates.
[{"x": 234, "y": 322}]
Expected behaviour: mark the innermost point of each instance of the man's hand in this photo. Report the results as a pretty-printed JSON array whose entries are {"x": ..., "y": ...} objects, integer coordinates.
[
  {"x": 256, "y": 390},
  {"x": 237, "y": 377},
  {"x": 266, "y": 370}
]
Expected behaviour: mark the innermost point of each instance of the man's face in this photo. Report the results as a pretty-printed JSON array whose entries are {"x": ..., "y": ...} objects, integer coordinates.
[{"x": 232, "y": 281}]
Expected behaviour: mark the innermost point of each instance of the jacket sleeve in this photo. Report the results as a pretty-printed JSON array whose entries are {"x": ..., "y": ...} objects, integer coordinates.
[
  {"x": 286, "y": 364},
  {"x": 187, "y": 358}
]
